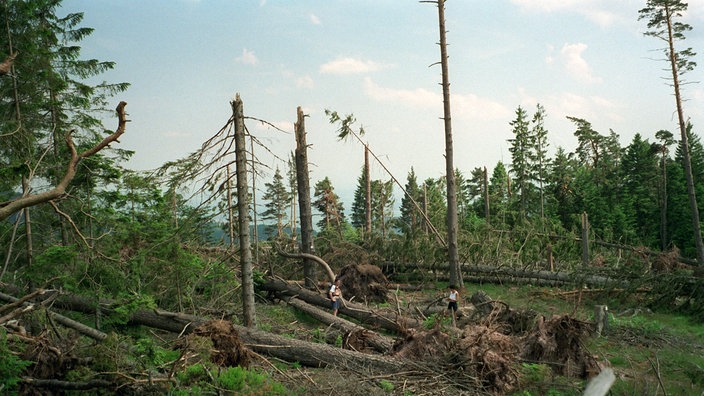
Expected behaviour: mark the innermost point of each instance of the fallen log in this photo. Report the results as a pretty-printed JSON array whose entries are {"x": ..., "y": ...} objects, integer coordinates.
[
  {"x": 377, "y": 341},
  {"x": 285, "y": 348},
  {"x": 80, "y": 327},
  {"x": 375, "y": 318}
]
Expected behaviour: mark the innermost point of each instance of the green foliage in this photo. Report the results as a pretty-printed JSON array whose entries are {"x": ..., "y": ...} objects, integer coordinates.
[
  {"x": 153, "y": 355},
  {"x": 437, "y": 319},
  {"x": 11, "y": 366},
  {"x": 387, "y": 386},
  {"x": 130, "y": 304},
  {"x": 197, "y": 378}
]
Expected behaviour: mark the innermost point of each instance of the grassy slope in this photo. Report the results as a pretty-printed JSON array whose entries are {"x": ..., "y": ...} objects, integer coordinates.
[{"x": 647, "y": 350}]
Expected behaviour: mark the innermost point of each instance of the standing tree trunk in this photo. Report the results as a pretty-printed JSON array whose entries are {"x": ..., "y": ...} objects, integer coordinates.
[
  {"x": 255, "y": 229},
  {"x": 368, "y": 195},
  {"x": 452, "y": 220},
  {"x": 685, "y": 146},
  {"x": 230, "y": 216},
  {"x": 310, "y": 272},
  {"x": 243, "y": 209},
  {"x": 487, "y": 214}
]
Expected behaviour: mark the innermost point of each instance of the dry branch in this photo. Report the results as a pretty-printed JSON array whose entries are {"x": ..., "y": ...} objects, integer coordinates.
[
  {"x": 6, "y": 65},
  {"x": 80, "y": 327},
  {"x": 10, "y": 207}
]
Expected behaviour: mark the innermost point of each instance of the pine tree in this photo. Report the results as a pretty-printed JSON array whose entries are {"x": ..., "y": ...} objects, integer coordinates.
[
  {"x": 411, "y": 220},
  {"x": 520, "y": 158},
  {"x": 663, "y": 24},
  {"x": 640, "y": 192},
  {"x": 277, "y": 200},
  {"x": 329, "y": 205}
]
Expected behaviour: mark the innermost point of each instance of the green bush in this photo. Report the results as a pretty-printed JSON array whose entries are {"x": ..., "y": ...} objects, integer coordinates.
[{"x": 10, "y": 367}]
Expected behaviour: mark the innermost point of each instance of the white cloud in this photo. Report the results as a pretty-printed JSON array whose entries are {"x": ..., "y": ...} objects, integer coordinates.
[
  {"x": 576, "y": 66},
  {"x": 248, "y": 57},
  {"x": 600, "y": 12},
  {"x": 350, "y": 66},
  {"x": 314, "y": 19},
  {"x": 305, "y": 82},
  {"x": 464, "y": 106}
]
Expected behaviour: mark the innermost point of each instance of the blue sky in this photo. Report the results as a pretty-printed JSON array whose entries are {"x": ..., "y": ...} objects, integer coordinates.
[{"x": 186, "y": 59}]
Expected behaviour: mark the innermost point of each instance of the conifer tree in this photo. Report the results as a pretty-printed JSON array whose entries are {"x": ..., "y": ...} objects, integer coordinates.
[
  {"x": 664, "y": 23},
  {"x": 277, "y": 200}
]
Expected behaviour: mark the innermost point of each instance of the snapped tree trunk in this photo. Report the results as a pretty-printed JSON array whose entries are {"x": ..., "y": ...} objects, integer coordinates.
[
  {"x": 248, "y": 312},
  {"x": 310, "y": 274}
]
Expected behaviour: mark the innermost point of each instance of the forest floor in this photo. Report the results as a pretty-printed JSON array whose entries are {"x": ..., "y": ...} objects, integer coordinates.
[{"x": 650, "y": 353}]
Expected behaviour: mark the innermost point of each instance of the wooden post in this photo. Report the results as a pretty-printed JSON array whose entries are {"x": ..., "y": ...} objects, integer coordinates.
[{"x": 551, "y": 260}]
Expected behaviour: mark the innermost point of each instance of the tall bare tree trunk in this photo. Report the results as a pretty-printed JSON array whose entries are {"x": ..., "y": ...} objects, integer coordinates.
[
  {"x": 685, "y": 145},
  {"x": 230, "y": 216},
  {"x": 310, "y": 272},
  {"x": 27, "y": 224},
  {"x": 452, "y": 220},
  {"x": 368, "y": 196},
  {"x": 487, "y": 213},
  {"x": 255, "y": 230},
  {"x": 248, "y": 312}
]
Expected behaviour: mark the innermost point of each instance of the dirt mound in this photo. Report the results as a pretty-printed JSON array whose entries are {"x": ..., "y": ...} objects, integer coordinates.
[
  {"x": 557, "y": 342},
  {"x": 363, "y": 282},
  {"x": 227, "y": 349}
]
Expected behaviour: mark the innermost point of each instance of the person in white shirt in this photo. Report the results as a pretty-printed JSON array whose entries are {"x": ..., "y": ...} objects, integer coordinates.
[
  {"x": 452, "y": 305},
  {"x": 335, "y": 295}
]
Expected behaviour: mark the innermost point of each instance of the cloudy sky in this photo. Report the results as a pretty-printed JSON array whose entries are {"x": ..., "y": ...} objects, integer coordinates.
[{"x": 186, "y": 59}]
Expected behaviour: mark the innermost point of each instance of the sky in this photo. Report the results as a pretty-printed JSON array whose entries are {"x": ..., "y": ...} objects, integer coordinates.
[{"x": 377, "y": 60}]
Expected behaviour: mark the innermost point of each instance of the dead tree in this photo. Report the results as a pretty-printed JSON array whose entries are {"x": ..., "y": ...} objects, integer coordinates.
[
  {"x": 242, "y": 192},
  {"x": 303, "y": 182},
  {"x": 25, "y": 201}
]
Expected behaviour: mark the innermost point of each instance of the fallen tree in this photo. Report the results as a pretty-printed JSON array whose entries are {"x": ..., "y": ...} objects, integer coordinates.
[
  {"x": 384, "y": 319},
  {"x": 355, "y": 336}
]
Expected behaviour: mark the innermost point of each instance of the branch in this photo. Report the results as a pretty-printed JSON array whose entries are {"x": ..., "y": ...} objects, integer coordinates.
[
  {"x": 10, "y": 207},
  {"x": 6, "y": 65}
]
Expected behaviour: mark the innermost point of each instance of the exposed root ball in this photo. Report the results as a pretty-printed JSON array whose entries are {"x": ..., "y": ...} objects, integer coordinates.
[
  {"x": 228, "y": 351},
  {"x": 364, "y": 282},
  {"x": 558, "y": 343}
]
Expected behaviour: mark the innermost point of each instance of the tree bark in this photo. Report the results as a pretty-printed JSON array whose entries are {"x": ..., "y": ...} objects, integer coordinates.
[
  {"x": 243, "y": 212},
  {"x": 452, "y": 217},
  {"x": 698, "y": 243},
  {"x": 80, "y": 327},
  {"x": 303, "y": 181},
  {"x": 377, "y": 341},
  {"x": 390, "y": 321}
]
